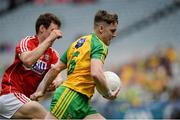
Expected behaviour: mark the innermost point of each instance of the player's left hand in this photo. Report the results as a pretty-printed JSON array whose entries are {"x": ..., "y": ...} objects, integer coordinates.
[
  {"x": 35, "y": 96},
  {"x": 54, "y": 85}
]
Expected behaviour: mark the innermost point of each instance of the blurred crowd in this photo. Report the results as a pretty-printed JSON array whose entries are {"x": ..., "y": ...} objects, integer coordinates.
[
  {"x": 156, "y": 73},
  {"x": 151, "y": 87}
]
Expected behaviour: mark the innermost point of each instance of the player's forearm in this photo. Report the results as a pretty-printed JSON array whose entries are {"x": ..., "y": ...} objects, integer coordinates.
[
  {"x": 102, "y": 87},
  {"x": 101, "y": 83},
  {"x": 59, "y": 79},
  {"x": 52, "y": 74},
  {"x": 98, "y": 74},
  {"x": 48, "y": 79},
  {"x": 31, "y": 57}
]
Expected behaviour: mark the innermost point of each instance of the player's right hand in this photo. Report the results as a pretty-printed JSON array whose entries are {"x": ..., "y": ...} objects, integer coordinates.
[
  {"x": 35, "y": 96},
  {"x": 113, "y": 95},
  {"x": 55, "y": 34}
]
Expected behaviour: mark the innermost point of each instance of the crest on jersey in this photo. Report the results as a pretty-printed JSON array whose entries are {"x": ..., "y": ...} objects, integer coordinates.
[
  {"x": 80, "y": 43},
  {"x": 46, "y": 57}
]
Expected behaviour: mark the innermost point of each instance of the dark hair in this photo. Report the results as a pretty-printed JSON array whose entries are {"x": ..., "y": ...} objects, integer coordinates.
[
  {"x": 104, "y": 16},
  {"x": 46, "y": 19}
]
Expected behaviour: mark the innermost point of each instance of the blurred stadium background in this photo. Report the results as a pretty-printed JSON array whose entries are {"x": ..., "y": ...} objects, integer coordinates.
[{"x": 146, "y": 53}]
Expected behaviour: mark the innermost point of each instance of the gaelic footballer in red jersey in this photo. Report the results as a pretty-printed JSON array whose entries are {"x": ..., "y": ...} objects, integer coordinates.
[
  {"x": 22, "y": 79},
  {"x": 34, "y": 56}
]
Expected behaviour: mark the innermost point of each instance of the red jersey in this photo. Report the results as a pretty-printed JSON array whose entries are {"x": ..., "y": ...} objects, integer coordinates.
[{"x": 18, "y": 78}]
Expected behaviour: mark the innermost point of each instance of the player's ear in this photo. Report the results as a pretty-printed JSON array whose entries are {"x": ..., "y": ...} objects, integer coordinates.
[
  {"x": 41, "y": 29},
  {"x": 101, "y": 28}
]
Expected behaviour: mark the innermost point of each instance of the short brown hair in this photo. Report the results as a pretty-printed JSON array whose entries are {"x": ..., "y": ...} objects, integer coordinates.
[
  {"x": 46, "y": 19},
  {"x": 104, "y": 16}
]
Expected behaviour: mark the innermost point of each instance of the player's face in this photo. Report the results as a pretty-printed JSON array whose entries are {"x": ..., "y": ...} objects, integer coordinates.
[{"x": 109, "y": 32}]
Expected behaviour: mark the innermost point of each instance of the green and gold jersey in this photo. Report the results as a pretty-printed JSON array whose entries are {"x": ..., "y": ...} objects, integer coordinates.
[{"x": 78, "y": 58}]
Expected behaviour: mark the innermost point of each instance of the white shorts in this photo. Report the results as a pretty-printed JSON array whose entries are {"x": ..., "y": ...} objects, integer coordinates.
[{"x": 10, "y": 103}]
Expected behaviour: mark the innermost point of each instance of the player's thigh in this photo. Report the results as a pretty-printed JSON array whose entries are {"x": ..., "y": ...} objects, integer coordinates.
[
  {"x": 94, "y": 116},
  {"x": 31, "y": 109},
  {"x": 10, "y": 103}
]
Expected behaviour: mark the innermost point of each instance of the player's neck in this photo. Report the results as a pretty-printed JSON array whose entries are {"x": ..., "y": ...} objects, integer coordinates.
[
  {"x": 99, "y": 35},
  {"x": 40, "y": 38}
]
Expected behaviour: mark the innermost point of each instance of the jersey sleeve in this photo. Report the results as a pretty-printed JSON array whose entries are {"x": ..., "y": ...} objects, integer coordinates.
[
  {"x": 64, "y": 57},
  {"x": 98, "y": 51},
  {"x": 24, "y": 45}
]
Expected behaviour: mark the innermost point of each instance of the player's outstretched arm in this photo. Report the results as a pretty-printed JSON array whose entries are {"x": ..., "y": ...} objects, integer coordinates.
[
  {"x": 56, "y": 82},
  {"x": 47, "y": 80}
]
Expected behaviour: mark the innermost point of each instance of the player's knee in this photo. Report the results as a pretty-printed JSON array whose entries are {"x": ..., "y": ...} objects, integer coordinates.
[
  {"x": 31, "y": 110},
  {"x": 37, "y": 108}
]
